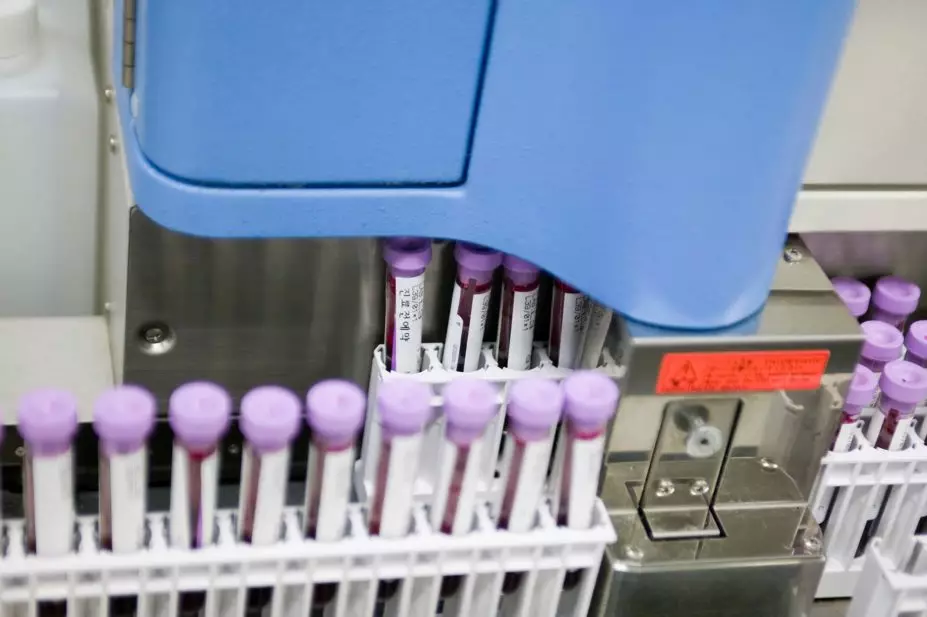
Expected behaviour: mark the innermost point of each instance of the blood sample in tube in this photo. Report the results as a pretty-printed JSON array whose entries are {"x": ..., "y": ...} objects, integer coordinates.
[
  {"x": 407, "y": 259},
  {"x": 567, "y": 322},
  {"x": 534, "y": 408},
  {"x": 47, "y": 422},
  {"x": 915, "y": 342},
  {"x": 335, "y": 412},
  {"x": 518, "y": 313},
  {"x": 469, "y": 306},
  {"x": 469, "y": 405},
  {"x": 199, "y": 414},
  {"x": 882, "y": 344},
  {"x": 403, "y": 408},
  {"x": 854, "y": 294},
  {"x": 904, "y": 386},
  {"x": 860, "y": 393},
  {"x": 893, "y": 300}
]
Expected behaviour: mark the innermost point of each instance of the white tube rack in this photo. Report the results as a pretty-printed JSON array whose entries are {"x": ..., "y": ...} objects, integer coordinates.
[
  {"x": 157, "y": 575},
  {"x": 435, "y": 375},
  {"x": 864, "y": 493},
  {"x": 892, "y": 587}
]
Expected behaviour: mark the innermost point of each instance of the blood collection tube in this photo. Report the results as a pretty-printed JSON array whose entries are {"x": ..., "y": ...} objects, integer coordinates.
[
  {"x": 882, "y": 344},
  {"x": 518, "y": 313},
  {"x": 904, "y": 386},
  {"x": 598, "y": 323},
  {"x": 335, "y": 412},
  {"x": 915, "y": 342},
  {"x": 123, "y": 419},
  {"x": 466, "y": 323},
  {"x": 534, "y": 408},
  {"x": 47, "y": 422},
  {"x": 403, "y": 408},
  {"x": 853, "y": 293},
  {"x": 860, "y": 393},
  {"x": 893, "y": 300},
  {"x": 567, "y": 322},
  {"x": 199, "y": 414},
  {"x": 405, "y": 294}
]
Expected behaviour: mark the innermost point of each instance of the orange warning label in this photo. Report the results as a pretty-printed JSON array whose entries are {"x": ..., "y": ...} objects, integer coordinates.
[{"x": 741, "y": 371}]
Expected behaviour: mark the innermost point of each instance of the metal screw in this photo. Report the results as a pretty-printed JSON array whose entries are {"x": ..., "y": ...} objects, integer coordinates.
[
  {"x": 665, "y": 488},
  {"x": 108, "y": 94},
  {"x": 768, "y": 464},
  {"x": 793, "y": 255},
  {"x": 699, "y": 487},
  {"x": 812, "y": 544},
  {"x": 20, "y": 452},
  {"x": 154, "y": 335},
  {"x": 632, "y": 553},
  {"x": 155, "y": 338},
  {"x": 113, "y": 144}
]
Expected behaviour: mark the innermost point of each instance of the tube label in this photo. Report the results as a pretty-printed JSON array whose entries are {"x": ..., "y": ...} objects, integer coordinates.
[
  {"x": 521, "y": 336},
  {"x": 408, "y": 319},
  {"x": 532, "y": 472},
  {"x": 443, "y": 483},
  {"x": 128, "y": 482},
  {"x": 466, "y": 497},
  {"x": 465, "y": 334},
  {"x": 585, "y": 466},
  {"x": 395, "y": 519},
  {"x": 571, "y": 328},
  {"x": 53, "y": 499},
  {"x": 194, "y": 487},
  {"x": 333, "y": 494},
  {"x": 271, "y": 495}
]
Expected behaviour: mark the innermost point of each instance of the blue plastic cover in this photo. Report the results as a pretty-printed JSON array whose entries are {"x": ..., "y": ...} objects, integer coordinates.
[{"x": 647, "y": 152}]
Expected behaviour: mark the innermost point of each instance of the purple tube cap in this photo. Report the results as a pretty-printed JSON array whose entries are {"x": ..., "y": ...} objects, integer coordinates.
[
  {"x": 469, "y": 405},
  {"x": 335, "y": 410},
  {"x": 519, "y": 265},
  {"x": 124, "y": 416},
  {"x": 404, "y": 406},
  {"x": 477, "y": 258},
  {"x": 904, "y": 382},
  {"x": 48, "y": 418},
  {"x": 883, "y": 341},
  {"x": 535, "y": 405},
  {"x": 407, "y": 254},
  {"x": 199, "y": 413},
  {"x": 895, "y": 295},
  {"x": 270, "y": 417},
  {"x": 916, "y": 339},
  {"x": 853, "y": 293},
  {"x": 590, "y": 399},
  {"x": 862, "y": 387}
]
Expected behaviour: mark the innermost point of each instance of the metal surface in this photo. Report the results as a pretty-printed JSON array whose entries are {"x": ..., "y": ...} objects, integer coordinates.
[{"x": 708, "y": 492}]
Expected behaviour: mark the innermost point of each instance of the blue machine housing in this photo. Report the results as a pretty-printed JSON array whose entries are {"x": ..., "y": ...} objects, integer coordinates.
[{"x": 648, "y": 153}]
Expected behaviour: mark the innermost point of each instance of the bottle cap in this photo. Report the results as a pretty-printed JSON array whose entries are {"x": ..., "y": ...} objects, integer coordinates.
[
  {"x": 270, "y": 417},
  {"x": 895, "y": 295},
  {"x": 469, "y": 405},
  {"x": 904, "y": 382},
  {"x": 335, "y": 410},
  {"x": 862, "y": 387},
  {"x": 590, "y": 399},
  {"x": 199, "y": 413},
  {"x": 19, "y": 27},
  {"x": 854, "y": 294},
  {"x": 407, "y": 256},
  {"x": 520, "y": 271},
  {"x": 534, "y": 407},
  {"x": 916, "y": 339},
  {"x": 404, "y": 406},
  {"x": 883, "y": 341},
  {"x": 124, "y": 416},
  {"x": 477, "y": 261},
  {"x": 48, "y": 419}
]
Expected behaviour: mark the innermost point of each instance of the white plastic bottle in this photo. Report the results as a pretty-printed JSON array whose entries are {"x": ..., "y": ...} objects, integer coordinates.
[{"x": 49, "y": 158}]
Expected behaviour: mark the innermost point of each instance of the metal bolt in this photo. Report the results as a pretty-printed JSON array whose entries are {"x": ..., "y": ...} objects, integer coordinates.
[
  {"x": 768, "y": 464},
  {"x": 699, "y": 487},
  {"x": 665, "y": 488},
  {"x": 793, "y": 255},
  {"x": 812, "y": 544},
  {"x": 154, "y": 335},
  {"x": 113, "y": 144},
  {"x": 20, "y": 452},
  {"x": 632, "y": 553},
  {"x": 108, "y": 94}
]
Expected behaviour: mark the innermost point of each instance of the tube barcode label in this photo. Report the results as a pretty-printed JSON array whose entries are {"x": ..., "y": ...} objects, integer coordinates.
[
  {"x": 127, "y": 486},
  {"x": 408, "y": 319}
]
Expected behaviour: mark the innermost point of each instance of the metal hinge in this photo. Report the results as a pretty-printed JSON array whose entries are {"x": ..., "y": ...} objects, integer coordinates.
[{"x": 128, "y": 43}]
